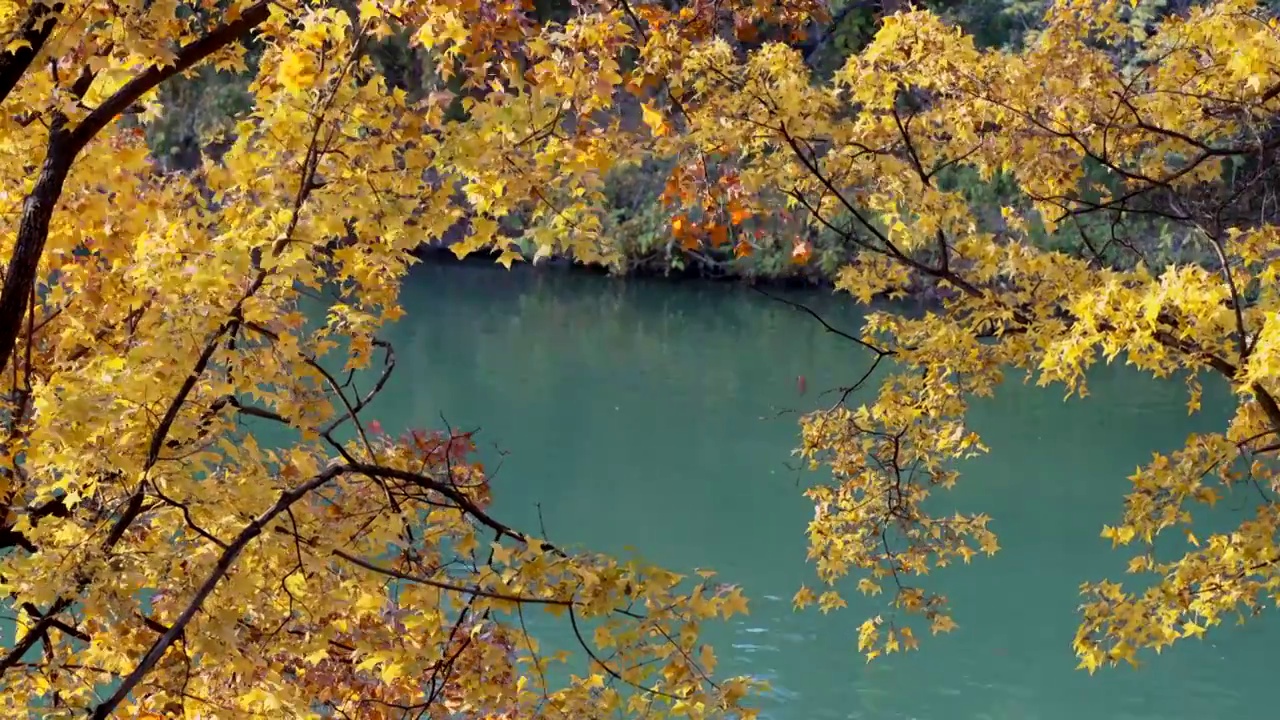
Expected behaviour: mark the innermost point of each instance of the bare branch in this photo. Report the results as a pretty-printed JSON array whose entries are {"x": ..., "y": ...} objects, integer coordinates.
[
  {"x": 827, "y": 326},
  {"x": 463, "y": 589}
]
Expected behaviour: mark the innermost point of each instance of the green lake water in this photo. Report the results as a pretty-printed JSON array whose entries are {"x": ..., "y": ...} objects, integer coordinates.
[{"x": 661, "y": 417}]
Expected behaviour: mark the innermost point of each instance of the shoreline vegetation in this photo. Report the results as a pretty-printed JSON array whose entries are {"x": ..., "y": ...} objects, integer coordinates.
[
  {"x": 640, "y": 216},
  {"x": 918, "y": 295},
  {"x": 440, "y": 256},
  {"x": 690, "y": 272}
]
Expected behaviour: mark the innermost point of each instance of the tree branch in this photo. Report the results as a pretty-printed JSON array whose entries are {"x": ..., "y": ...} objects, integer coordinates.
[
  {"x": 189, "y": 56},
  {"x": 35, "y": 31},
  {"x": 233, "y": 549},
  {"x": 827, "y": 326},
  {"x": 466, "y": 590},
  {"x": 225, "y": 561},
  {"x": 65, "y": 144}
]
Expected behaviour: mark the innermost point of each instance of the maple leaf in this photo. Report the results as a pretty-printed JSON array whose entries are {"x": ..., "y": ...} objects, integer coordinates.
[
  {"x": 654, "y": 119},
  {"x": 718, "y": 234},
  {"x": 801, "y": 251},
  {"x": 507, "y": 257}
]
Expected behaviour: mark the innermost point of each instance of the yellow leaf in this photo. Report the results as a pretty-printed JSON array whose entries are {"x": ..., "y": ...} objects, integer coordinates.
[
  {"x": 803, "y": 598},
  {"x": 735, "y": 603},
  {"x": 654, "y": 119},
  {"x": 509, "y": 256}
]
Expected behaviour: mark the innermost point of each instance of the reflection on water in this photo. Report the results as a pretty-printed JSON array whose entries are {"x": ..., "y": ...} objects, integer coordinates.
[{"x": 660, "y": 417}]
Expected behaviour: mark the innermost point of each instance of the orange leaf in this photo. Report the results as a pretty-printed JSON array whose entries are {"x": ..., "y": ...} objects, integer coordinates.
[
  {"x": 671, "y": 191},
  {"x": 800, "y": 252},
  {"x": 719, "y": 235},
  {"x": 680, "y": 225},
  {"x": 742, "y": 249}
]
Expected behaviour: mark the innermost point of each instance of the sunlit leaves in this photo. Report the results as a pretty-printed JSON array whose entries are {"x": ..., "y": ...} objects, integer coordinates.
[
  {"x": 1105, "y": 113},
  {"x": 184, "y": 426},
  {"x": 170, "y": 313}
]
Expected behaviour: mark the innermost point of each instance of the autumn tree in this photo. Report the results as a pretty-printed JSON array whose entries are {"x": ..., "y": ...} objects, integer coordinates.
[
  {"x": 161, "y": 560},
  {"x": 1104, "y": 117}
]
